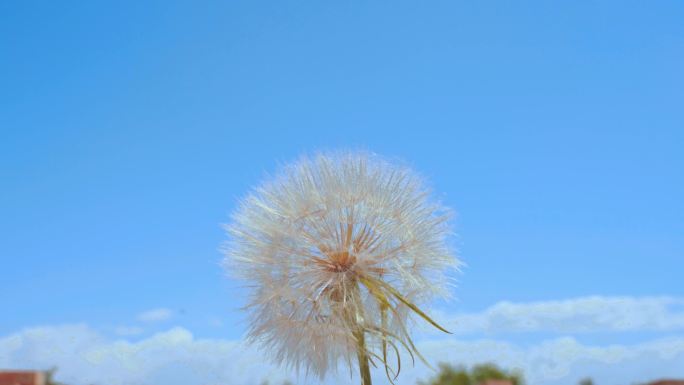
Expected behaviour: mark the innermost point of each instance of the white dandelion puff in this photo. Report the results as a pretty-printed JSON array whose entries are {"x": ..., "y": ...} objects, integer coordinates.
[{"x": 339, "y": 251}]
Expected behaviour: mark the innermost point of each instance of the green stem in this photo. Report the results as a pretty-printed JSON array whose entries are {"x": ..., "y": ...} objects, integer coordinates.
[
  {"x": 364, "y": 368},
  {"x": 355, "y": 321}
]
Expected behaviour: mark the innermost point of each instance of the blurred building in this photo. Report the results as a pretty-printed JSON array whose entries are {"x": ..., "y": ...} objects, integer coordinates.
[
  {"x": 15, "y": 377},
  {"x": 667, "y": 382}
]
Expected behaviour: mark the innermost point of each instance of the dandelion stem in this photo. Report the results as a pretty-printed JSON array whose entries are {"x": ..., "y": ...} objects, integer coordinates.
[
  {"x": 364, "y": 368},
  {"x": 356, "y": 319}
]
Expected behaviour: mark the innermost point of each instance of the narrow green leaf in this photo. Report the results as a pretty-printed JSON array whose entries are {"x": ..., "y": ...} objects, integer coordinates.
[{"x": 413, "y": 307}]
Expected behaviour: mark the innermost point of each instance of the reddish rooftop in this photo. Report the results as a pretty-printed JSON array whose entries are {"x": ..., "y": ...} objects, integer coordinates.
[
  {"x": 21, "y": 377},
  {"x": 667, "y": 382}
]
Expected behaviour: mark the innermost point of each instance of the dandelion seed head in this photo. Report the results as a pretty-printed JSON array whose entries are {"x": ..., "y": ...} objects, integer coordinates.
[{"x": 305, "y": 239}]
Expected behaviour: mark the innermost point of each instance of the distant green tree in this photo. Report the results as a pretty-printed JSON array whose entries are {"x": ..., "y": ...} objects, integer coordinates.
[
  {"x": 449, "y": 375},
  {"x": 484, "y": 372},
  {"x": 586, "y": 381},
  {"x": 458, "y": 375},
  {"x": 50, "y": 377}
]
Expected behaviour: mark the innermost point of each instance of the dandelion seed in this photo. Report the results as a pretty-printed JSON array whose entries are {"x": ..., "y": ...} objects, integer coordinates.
[{"x": 339, "y": 251}]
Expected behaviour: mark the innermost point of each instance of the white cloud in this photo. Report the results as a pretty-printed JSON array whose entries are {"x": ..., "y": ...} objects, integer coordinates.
[
  {"x": 564, "y": 360},
  {"x": 128, "y": 330},
  {"x": 175, "y": 357},
  {"x": 155, "y": 315},
  {"x": 579, "y": 315},
  {"x": 84, "y": 356}
]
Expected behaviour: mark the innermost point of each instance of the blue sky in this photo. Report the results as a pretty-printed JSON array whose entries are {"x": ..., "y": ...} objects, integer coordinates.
[{"x": 128, "y": 132}]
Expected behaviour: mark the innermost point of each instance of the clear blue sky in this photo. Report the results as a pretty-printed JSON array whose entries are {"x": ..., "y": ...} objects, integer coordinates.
[{"x": 129, "y": 130}]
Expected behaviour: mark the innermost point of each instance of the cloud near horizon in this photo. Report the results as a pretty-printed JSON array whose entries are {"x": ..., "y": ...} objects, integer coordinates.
[
  {"x": 578, "y": 315},
  {"x": 86, "y": 356}
]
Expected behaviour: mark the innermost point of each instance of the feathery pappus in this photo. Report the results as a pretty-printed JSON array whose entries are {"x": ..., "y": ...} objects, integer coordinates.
[{"x": 340, "y": 250}]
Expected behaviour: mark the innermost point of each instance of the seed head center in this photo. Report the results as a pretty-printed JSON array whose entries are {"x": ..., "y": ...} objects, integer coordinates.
[{"x": 340, "y": 262}]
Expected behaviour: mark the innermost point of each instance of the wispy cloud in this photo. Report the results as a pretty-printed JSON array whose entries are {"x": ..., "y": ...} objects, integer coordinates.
[
  {"x": 155, "y": 315},
  {"x": 579, "y": 315},
  {"x": 565, "y": 360},
  {"x": 173, "y": 357}
]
